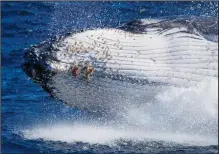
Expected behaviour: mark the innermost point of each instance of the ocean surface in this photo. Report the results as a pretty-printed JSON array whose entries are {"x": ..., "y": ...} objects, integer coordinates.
[{"x": 32, "y": 122}]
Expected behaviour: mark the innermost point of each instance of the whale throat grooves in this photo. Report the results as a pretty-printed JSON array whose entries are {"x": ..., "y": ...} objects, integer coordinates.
[{"x": 128, "y": 65}]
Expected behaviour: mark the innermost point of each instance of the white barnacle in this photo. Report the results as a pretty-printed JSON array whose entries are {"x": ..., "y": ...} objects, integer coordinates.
[{"x": 69, "y": 48}]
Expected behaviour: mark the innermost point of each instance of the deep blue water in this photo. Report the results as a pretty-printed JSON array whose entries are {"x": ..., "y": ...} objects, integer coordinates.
[{"x": 26, "y": 105}]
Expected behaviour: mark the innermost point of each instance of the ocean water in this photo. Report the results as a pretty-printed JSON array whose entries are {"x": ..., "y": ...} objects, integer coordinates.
[{"x": 32, "y": 122}]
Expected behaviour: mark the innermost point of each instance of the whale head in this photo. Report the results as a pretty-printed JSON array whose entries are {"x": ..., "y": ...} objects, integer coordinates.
[{"x": 127, "y": 61}]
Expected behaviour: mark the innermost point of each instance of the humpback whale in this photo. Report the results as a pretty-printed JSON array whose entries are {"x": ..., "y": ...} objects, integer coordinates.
[{"x": 130, "y": 61}]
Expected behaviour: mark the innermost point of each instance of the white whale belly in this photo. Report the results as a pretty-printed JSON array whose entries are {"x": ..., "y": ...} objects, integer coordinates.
[
  {"x": 178, "y": 59},
  {"x": 120, "y": 57}
]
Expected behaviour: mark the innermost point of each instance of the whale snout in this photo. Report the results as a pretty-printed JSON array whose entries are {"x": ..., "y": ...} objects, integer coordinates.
[
  {"x": 33, "y": 70},
  {"x": 36, "y": 68}
]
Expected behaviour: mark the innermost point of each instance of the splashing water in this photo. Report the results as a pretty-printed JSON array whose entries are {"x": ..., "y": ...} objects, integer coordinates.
[{"x": 181, "y": 115}]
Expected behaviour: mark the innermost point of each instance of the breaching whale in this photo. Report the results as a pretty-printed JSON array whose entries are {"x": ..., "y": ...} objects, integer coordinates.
[{"x": 128, "y": 61}]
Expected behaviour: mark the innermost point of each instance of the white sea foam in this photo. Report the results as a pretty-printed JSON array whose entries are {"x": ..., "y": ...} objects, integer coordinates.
[
  {"x": 109, "y": 136},
  {"x": 193, "y": 110},
  {"x": 181, "y": 115}
]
